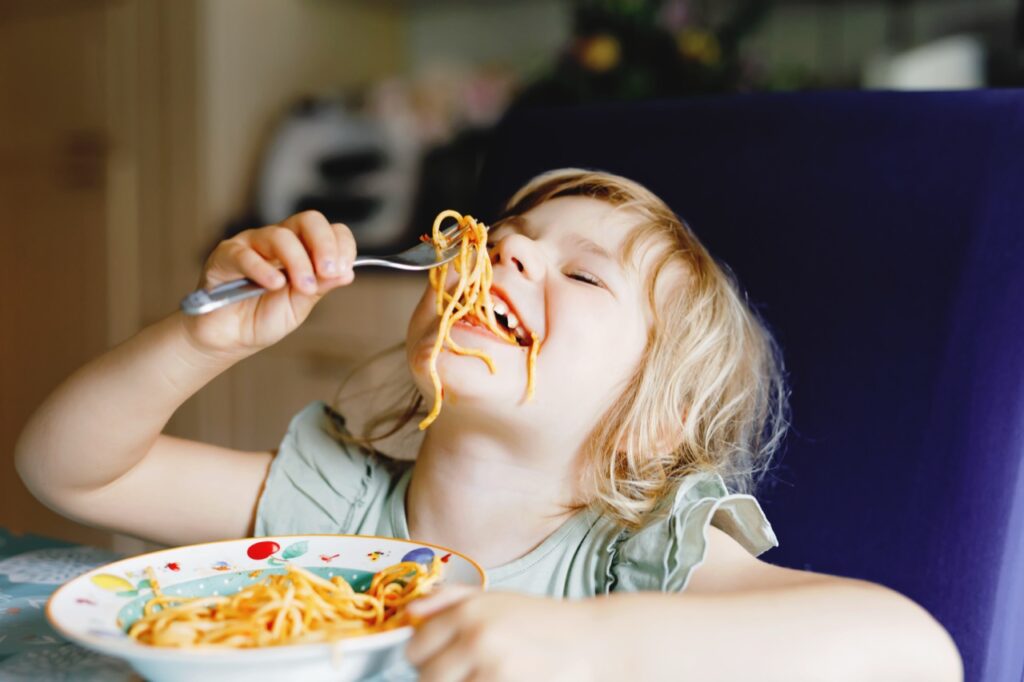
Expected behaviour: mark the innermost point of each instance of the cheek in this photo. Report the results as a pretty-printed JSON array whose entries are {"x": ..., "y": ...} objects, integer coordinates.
[
  {"x": 424, "y": 318},
  {"x": 422, "y": 324},
  {"x": 595, "y": 349}
]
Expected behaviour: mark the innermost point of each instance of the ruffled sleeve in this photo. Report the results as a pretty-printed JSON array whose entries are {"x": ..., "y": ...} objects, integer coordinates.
[
  {"x": 663, "y": 555},
  {"x": 317, "y": 484}
]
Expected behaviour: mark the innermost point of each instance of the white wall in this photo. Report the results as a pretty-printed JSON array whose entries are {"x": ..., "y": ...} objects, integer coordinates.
[
  {"x": 523, "y": 35},
  {"x": 259, "y": 56},
  {"x": 836, "y": 39}
]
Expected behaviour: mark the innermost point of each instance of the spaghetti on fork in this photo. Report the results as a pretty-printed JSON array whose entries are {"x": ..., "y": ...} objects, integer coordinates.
[{"x": 470, "y": 297}]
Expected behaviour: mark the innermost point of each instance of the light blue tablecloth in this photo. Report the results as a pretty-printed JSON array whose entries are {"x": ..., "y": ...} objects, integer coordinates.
[{"x": 31, "y": 568}]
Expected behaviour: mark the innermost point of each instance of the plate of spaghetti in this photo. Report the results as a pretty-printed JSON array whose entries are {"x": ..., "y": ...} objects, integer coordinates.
[{"x": 310, "y": 607}]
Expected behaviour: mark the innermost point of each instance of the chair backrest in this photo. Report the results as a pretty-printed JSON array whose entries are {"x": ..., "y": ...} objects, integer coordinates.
[{"x": 881, "y": 235}]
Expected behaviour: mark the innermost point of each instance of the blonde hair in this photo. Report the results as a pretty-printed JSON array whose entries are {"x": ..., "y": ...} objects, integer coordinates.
[{"x": 709, "y": 393}]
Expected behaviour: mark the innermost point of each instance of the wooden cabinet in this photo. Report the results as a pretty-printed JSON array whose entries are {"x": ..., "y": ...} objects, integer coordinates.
[
  {"x": 54, "y": 150},
  {"x": 129, "y": 129}
]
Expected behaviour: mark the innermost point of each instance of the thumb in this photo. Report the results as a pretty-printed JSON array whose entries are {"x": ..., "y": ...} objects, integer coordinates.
[{"x": 443, "y": 598}]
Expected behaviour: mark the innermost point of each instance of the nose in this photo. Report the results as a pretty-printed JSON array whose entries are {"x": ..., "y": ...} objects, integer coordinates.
[{"x": 520, "y": 252}]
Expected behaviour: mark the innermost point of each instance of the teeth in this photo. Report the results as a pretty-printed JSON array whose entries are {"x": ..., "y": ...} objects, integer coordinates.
[{"x": 509, "y": 319}]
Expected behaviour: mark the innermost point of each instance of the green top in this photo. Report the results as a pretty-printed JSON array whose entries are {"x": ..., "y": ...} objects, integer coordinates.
[{"x": 318, "y": 485}]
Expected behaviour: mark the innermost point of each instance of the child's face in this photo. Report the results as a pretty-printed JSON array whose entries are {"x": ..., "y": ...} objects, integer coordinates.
[{"x": 589, "y": 312}]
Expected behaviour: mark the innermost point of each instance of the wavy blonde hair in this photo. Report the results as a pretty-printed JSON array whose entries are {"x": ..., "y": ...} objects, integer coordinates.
[{"x": 709, "y": 393}]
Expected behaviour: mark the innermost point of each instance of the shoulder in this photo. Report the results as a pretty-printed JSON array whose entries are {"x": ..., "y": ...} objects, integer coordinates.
[
  {"x": 729, "y": 567},
  {"x": 735, "y": 537},
  {"x": 702, "y": 523},
  {"x": 318, "y": 437},
  {"x": 320, "y": 483}
]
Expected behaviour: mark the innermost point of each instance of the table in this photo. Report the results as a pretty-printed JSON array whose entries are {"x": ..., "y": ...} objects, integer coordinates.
[{"x": 31, "y": 568}]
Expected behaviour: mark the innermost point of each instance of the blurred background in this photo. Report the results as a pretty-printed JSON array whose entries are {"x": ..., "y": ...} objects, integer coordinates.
[{"x": 136, "y": 134}]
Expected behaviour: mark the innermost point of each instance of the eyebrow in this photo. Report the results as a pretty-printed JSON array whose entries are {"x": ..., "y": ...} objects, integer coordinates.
[
  {"x": 590, "y": 246},
  {"x": 521, "y": 225}
]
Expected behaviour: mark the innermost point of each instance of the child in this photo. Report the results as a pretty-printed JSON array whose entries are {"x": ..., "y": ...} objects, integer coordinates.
[{"x": 657, "y": 392}]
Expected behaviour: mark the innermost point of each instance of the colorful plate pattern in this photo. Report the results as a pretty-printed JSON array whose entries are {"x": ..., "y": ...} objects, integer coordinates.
[{"x": 94, "y": 609}]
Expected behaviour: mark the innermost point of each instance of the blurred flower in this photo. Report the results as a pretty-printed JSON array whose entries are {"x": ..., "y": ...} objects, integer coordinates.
[
  {"x": 442, "y": 100},
  {"x": 642, "y": 49},
  {"x": 486, "y": 96},
  {"x": 599, "y": 53},
  {"x": 699, "y": 45},
  {"x": 674, "y": 14}
]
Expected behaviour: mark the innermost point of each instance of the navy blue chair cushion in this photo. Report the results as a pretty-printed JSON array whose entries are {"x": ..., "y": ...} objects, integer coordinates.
[{"x": 881, "y": 235}]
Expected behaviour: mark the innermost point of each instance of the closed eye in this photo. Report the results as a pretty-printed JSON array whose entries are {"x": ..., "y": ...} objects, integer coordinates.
[{"x": 586, "y": 277}]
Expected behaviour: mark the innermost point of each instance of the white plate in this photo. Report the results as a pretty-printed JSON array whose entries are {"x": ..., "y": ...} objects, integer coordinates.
[{"x": 95, "y": 608}]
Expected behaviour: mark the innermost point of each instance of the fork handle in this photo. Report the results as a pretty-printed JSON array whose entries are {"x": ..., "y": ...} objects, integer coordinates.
[{"x": 202, "y": 301}]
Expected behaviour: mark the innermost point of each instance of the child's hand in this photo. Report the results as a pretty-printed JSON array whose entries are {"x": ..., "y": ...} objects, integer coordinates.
[
  {"x": 316, "y": 256},
  {"x": 471, "y": 635}
]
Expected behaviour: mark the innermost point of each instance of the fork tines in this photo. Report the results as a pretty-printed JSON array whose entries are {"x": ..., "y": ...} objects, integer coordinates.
[{"x": 453, "y": 233}]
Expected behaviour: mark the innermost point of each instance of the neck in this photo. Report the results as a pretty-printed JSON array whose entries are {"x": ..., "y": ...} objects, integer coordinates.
[{"x": 489, "y": 494}]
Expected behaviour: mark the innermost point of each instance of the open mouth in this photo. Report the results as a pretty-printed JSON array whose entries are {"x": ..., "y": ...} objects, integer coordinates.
[
  {"x": 507, "y": 319},
  {"x": 510, "y": 322}
]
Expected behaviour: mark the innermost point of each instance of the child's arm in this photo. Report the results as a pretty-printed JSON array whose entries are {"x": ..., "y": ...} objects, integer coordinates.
[
  {"x": 838, "y": 630},
  {"x": 834, "y": 629},
  {"x": 750, "y": 620},
  {"x": 94, "y": 449}
]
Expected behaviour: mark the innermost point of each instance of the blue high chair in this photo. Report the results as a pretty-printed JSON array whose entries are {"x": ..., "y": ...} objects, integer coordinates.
[{"x": 881, "y": 236}]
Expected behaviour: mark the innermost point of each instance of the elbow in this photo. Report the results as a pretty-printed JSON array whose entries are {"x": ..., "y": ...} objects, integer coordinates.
[
  {"x": 30, "y": 465},
  {"x": 24, "y": 464},
  {"x": 912, "y": 645},
  {"x": 933, "y": 655},
  {"x": 938, "y": 654}
]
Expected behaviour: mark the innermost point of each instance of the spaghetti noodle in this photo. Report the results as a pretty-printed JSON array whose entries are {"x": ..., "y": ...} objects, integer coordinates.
[
  {"x": 471, "y": 297},
  {"x": 297, "y": 606}
]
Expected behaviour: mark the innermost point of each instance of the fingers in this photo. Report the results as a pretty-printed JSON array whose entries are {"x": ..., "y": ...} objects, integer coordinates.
[
  {"x": 429, "y": 639},
  {"x": 234, "y": 258},
  {"x": 330, "y": 246},
  {"x": 437, "y": 633},
  {"x": 346, "y": 246},
  {"x": 316, "y": 255},
  {"x": 440, "y": 600},
  {"x": 282, "y": 244},
  {"x": 256, "y": 268},
  {"x": 317, "y": 236},
  {"x": 451, "y": 664}
]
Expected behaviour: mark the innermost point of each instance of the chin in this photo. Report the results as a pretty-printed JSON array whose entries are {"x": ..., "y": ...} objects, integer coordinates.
[{"x": 467, "y": 382}]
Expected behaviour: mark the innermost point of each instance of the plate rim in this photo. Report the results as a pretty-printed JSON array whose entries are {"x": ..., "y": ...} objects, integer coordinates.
[{"x": 128, "y": 650}]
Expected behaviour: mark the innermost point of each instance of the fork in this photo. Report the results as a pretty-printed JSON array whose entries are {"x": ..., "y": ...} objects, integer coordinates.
[{"x": 420, "y": 257}]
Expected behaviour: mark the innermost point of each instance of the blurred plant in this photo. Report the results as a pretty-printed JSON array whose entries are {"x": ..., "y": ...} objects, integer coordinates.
[{"x": 640, "y": 49}]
